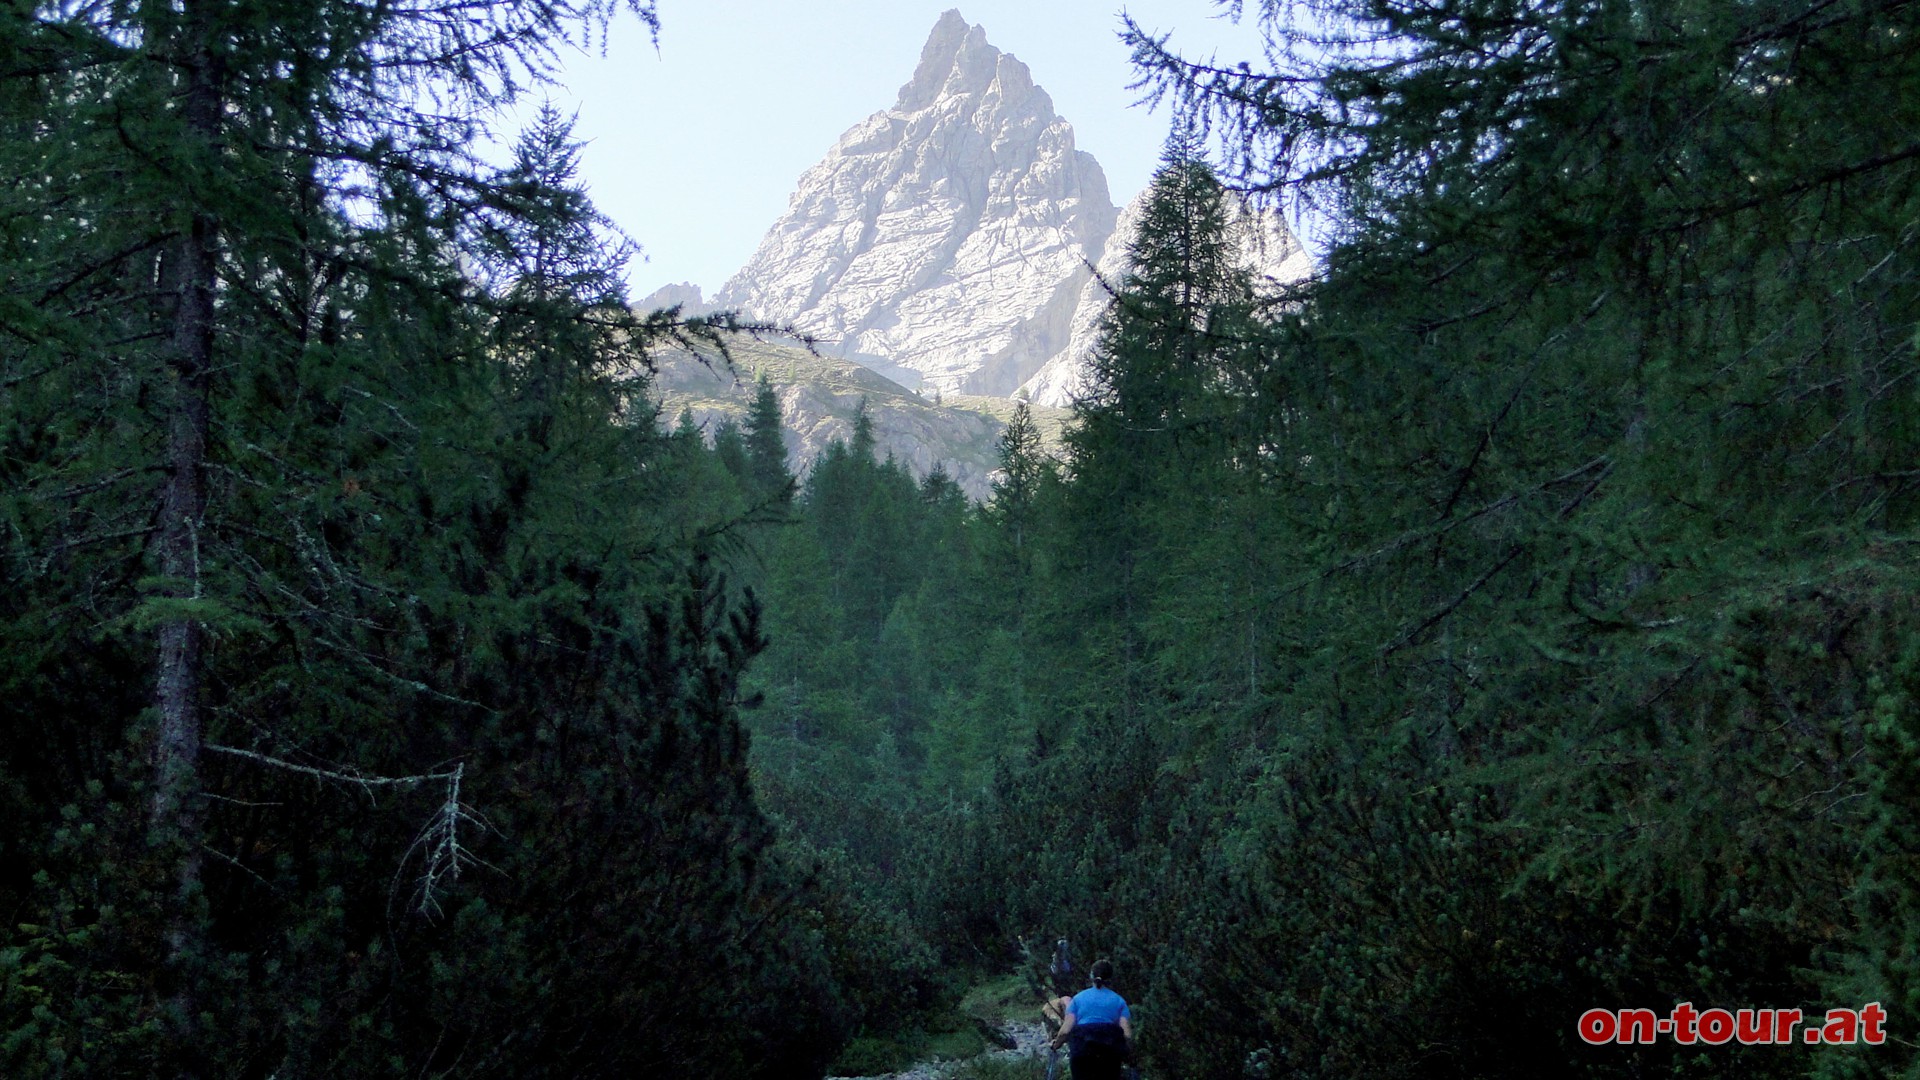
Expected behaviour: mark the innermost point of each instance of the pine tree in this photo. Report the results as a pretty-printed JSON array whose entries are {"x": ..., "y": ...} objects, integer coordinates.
[
  {"x": 326, "y": 431},
  {"x": 766, "y": 447},
  {"x": 1149, "y": 433},
  {"x": 1016, "y": 485},
  {"x": 1542, "y": 443}
]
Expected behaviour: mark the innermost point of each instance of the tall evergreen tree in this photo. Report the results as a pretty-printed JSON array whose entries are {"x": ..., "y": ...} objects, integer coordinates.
[
  {"x": 354, "y": 477},
  {"x": 766, "y": 448},
  {"x": 1570, "y": 331},
  {"x": 1149, "y": 431},
  {"x": 1016, "y": 486}
]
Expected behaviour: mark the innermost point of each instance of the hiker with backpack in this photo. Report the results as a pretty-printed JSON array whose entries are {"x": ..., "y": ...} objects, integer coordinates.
[
  {"x": 1062, "y": 983},
  {"x": 1098, "y": 1029}
]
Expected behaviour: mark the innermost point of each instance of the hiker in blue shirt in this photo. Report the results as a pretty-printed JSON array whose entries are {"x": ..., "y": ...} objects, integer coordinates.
[{"x": 1098, "y": 1028}]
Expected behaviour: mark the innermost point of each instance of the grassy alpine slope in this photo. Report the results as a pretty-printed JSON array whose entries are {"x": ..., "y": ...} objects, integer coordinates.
[{"x": 819, "y": 396}]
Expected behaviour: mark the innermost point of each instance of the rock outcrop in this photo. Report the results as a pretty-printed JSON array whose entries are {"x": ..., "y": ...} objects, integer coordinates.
[
  {"x": 944, "y": 241},
  {"x": 819, "y": 396}
]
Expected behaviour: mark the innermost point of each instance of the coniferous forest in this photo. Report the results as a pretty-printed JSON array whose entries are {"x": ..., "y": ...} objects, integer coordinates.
[{"x": 1517, "y": 617}]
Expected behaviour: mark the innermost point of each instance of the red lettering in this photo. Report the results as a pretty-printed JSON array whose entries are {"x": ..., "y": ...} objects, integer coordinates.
[
  {"x": 1871, "y": 1017},
  {"x": 1843, "y": 1026},
  {"x": 1755, "y": 1026},
  {"x": 1683, "y": 1020},
  {"x": 1716, "y": 1026},
  {"x": 1598, "y": 1026}
]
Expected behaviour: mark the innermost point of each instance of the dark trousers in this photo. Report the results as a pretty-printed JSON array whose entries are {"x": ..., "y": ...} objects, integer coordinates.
[{"x": 1097, "y": 1054}]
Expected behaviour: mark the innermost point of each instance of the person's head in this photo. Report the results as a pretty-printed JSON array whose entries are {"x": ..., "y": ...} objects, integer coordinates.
[{"x": 1101, "y": 973}]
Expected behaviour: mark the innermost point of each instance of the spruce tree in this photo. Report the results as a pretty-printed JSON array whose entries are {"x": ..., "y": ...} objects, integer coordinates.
[
  {"x": 766, "y": 447},
  {"x": 1555, "y": 445},
  {"x": 1016, "y": 485},
  {"x": 731, "y": 447},
  {"x": 327, "y": 433}
]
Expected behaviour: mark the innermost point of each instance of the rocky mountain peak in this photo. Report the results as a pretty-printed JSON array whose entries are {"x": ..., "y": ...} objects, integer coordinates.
[
  {"x": 956, "y": 60},
  {"x": 945, "y": 241}
]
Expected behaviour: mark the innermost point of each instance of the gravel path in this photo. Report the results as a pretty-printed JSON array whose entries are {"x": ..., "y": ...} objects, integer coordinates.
[{"x": 1029, "y": 1040}]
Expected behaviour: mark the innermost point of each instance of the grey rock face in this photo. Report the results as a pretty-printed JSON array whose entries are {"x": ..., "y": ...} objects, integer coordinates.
[
  {"x": 685, "y": 294},
  {"x": 943, "y": 241}
]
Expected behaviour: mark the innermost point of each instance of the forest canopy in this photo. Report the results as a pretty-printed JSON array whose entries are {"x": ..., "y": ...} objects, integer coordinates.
[{"x": 1513, "y": 618}]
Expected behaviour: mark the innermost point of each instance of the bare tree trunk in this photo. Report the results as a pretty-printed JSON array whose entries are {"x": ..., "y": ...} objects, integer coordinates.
[
  {"x": 175, "y": 811},
  {"x": 177, "y": 536}
]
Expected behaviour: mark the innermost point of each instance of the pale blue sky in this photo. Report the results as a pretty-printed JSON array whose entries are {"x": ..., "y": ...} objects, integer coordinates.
[{"x": 693, "y": 149}]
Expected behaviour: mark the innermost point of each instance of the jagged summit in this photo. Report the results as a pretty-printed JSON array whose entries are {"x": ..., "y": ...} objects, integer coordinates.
[
  {"x": 946, "y": 242},
  {"x": 955, "y": 60},
  {"x": 943, "y": 241}
]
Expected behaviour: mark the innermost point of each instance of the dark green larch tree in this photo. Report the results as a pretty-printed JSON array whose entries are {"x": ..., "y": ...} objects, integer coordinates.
[
  {"x": 1016, "y": 484},
  {"x": 1148, "y": 433},
  {"x": 773, "y": 483},
  {"x": 1578, "y": 425},
  {"x": 327, "y": 476},
  {"x": 1014, "y": 536}
]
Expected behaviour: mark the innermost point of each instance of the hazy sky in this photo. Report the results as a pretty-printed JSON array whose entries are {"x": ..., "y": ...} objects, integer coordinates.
[{"x": 694, "y": 148}]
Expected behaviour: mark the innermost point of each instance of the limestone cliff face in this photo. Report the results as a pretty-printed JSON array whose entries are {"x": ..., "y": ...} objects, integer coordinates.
[{"x": 944, "y": 241}]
